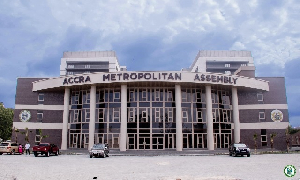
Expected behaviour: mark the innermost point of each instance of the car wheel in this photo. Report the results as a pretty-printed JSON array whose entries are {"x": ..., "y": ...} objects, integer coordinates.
[
  {"x": 56, "y": 153},
  {"x": 91, "y": 156},
  {"x": 47, "y": 154},
  {"x": 0, "y": 153},
  {"x": 248, "y": 155},
  {"x": 35, "y": 154},
  {"x": 104, "y": 155},
  {"x": 235, "y": 154},
  {"x": 230, "y": 154}
]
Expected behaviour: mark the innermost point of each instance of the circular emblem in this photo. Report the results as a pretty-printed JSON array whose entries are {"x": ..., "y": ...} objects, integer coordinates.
[
  {"x": 276, "y": 115},
  {"x": 289, "y": 171},
  {"x": 25, "y": 115}
]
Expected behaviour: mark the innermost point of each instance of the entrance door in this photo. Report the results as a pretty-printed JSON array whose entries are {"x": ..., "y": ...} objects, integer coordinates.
[
  {"x": 131, "y": 141},
  {"x": 144, "y": 142},
  {"x": 74, "y": 140},
  {"x": 157, "y": 143}
]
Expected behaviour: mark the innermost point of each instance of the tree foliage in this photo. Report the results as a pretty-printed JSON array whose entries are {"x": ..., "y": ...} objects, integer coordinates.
[
  {"x": 6, "y": 122},
  {"x": 292, "y": 130}
]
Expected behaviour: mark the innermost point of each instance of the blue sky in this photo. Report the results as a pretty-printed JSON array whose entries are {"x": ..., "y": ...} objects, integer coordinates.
[{"x": 149, "y": 35}]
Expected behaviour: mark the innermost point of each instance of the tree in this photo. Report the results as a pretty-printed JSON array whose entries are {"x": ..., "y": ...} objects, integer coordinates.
[
  {"x": 272, "y": 136},
  {"x": 255, "y": 143},
  {"x": 41, "y": 135},
  {"x": 6, "y": 122},
  {"x": 26, "y": 132},
  {"x": 291, "y": 130}
]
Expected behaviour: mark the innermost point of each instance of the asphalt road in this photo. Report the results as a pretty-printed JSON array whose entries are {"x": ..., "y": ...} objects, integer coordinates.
[{"x": 267, "y": 166}]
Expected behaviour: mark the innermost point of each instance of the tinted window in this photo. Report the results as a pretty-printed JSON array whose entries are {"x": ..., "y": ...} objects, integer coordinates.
[{"x": 4, "y": 144}]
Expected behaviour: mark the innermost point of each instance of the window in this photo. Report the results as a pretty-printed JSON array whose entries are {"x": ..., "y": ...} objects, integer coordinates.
[
  {"x": 116, "y": 96},
  {"x": 87, "y": 115},
  {"x": 41, "y": 98},
  {"x": 261, "y": 115},
  {"x": 227, "y": 72},
  {"x": 169, "y": 96},
  {"x": 116, "y": 115},
  {"x": 101, "y": 115},
  {"x": 260, "y": 97},
  {"x": 264, "y": 137},
  {"x": 227, "y": 65},
  {"x": 158, "y": 112},
  {"x": 184, "y": 115},
  {"x": 198, "y": 97},
  {"x": 76, "y": 115},
  {"x": 86, "y": 97},
  {"x": 39, "y": 116},
  {"x": 70, "y": 73},
  {"x": 199, "y": 115},
  {"x": 243, "y": 64},
  {"x": 144, "y": 95},
  {"x": 184, "y": 95},
  {"x": 71, "y": 66},
  {"x": 131, "y": 95},
  {"x": 170, "y": 114},
  {"x": 87, "y": 66},
  {"x": 131, "y": 114}
]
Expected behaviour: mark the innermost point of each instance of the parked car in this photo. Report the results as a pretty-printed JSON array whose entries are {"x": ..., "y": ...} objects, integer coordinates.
[
  {"x": 99, "y": 150},
  {"x": 241, "y": 149},
  {"x": 295, "y": 147},
  {"x": 45, "y": 149},
  {"x": 9, "y": 148}
]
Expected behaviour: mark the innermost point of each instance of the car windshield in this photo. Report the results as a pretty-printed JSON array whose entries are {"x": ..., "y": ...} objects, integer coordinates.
[
  {"x": 99, "y": 146},
  {"x": 240, "y": 145},
  {"x": 4, "y": 144},
  {"x": 43, "y": 145}
]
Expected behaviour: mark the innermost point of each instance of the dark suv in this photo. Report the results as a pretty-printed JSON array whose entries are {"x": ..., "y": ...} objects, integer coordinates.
[
  {"x": 99, "y": 150},
  {"x": 239, "y": 149}
]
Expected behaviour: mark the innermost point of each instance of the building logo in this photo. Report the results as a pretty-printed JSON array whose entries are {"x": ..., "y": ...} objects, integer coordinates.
[
  {"x": 289, "y": 171},
  {"x": 276, "y": 115},
  {"x": 25, "y": 115}
]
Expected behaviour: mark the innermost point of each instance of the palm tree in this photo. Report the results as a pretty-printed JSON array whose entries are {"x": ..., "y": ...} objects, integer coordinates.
[
  {"x": 16, "y": 133},
  {"x": 41, "y": 135},
  {"x": 255, "y": 143},
  {"x": 272, "y": 136}
]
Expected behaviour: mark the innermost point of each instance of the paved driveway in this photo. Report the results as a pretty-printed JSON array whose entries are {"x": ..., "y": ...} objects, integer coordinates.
[{"x": 267, "y": 166}]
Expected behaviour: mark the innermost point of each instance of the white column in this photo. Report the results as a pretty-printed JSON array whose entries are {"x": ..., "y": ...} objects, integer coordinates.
[
  {"x": 178, "y": 118},
  {"x": 64, "y": 134},
  {"x": 123, "y": 130},
  {"x": 209, "y": 119},
  {"x": 92, "y": 116},
  {"x": 235, "y": 112}
]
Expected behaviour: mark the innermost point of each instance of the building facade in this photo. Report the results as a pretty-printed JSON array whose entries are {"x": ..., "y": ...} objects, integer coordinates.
[{"x": 213, "y": 103}]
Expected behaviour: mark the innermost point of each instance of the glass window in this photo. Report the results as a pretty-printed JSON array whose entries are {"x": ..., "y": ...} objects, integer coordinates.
[
  {"x": 261, "y": 115},
  {"x": 117, "y": 95},
  {"x": 39, "y": 116},
  {"x": 41, "y": 97},
  {"x": 260, "y": 97}
]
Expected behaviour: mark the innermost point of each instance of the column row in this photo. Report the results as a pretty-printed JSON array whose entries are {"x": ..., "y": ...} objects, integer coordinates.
[{"x": 123, "y": 128}]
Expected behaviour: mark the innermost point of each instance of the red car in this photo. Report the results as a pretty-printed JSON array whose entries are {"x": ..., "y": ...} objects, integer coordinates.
[{"x": 45, "y": 149}]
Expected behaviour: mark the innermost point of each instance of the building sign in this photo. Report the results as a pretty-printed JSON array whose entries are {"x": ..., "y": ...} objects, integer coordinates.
[
  {"x": 77, "y": 80},
  {"x": 146, "y": 76},
  {"x": 25, "y": 115},
  {"x": 215, "y": 78},
  {"x": 276, "y": 116},
  {"x": 151, "y": 76}
]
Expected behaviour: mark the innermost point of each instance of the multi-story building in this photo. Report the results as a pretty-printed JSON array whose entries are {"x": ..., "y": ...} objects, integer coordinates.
[
  {"x": 202, "y": 107},
  {"x": 89, "y": 62}
]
